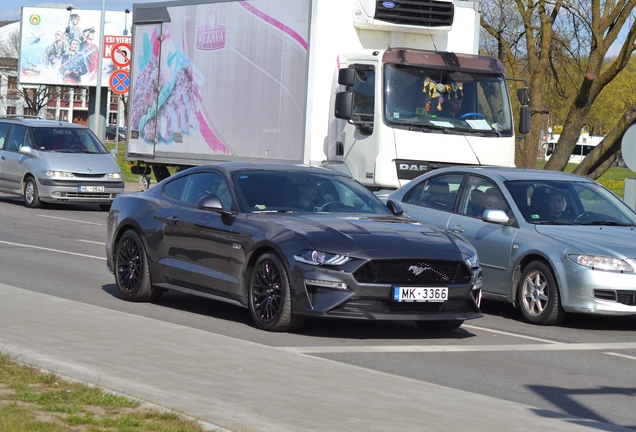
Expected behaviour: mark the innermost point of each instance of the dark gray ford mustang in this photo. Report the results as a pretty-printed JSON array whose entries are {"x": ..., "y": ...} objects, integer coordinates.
[{"x": 289, "y": 242}]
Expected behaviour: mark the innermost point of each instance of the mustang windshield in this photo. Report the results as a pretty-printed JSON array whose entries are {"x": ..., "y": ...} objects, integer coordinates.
[
  {"x": 416, "y": 96},
  {"x": 279, "y": 192}
]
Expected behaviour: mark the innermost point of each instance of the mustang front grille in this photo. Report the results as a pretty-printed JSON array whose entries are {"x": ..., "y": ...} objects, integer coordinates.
[{"x": 413, "y": 272}]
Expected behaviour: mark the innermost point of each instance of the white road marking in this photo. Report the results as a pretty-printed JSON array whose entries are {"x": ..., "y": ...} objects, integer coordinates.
[
  {"x": 510, "y": 334},
  {"x": 51, "y": 250},
  {"x": 90, "y": 241},
  {"x": 621, "y": 355},
  {"x": 72, "y": 220},
  {"x": 462, "y": 348}
]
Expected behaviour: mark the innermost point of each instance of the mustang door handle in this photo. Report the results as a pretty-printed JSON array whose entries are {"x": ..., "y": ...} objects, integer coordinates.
[
  {"x": 172, "y": 219},
  {"x": 458, "y": 229}
]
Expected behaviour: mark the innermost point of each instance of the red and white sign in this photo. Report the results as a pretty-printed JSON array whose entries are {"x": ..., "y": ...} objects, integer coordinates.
[{"x": 120, "y": 54}]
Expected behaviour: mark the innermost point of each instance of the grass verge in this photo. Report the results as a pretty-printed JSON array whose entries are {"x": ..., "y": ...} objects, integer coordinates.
[{"x": 40, "y": 401}]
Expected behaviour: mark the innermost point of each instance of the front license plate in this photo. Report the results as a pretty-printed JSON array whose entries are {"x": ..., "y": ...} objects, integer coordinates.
[
  {"x": 414, "y": 294},
  {"x": 91, "y": 188}
]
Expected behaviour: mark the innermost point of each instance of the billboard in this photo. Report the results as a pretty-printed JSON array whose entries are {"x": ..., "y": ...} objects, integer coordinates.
[{"x": 61, "y": 47}]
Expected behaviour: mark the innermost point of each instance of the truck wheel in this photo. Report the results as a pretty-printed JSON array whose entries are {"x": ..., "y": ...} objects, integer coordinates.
[
  {"x": 447, "y": 325},
  {"x": 270, "y": 296},
  {"x": 538, "y": 295},
  {"x": 31, "y": 197},
  {"x": 132, "y": 274}
]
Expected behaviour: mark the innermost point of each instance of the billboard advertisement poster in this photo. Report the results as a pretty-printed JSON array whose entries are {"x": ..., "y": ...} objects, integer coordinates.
[
  {"x": 224, "y": 78},
  {"x": 61, "y": 47}
]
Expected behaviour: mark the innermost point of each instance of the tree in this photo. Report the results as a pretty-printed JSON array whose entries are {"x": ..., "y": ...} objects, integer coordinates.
[
  {"x": 37, "y": 97},
  {"x": 562, "y": 42}
]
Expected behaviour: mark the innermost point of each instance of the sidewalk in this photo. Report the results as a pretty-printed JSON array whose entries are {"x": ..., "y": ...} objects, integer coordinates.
[{"x": 243, "y": 386}]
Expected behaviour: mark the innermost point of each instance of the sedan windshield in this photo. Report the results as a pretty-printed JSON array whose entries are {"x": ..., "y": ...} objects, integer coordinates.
[
  {"x": 571, "y": 203},
  {"x": 280, "y": 192},
  {"x": 67, "y": 140}
]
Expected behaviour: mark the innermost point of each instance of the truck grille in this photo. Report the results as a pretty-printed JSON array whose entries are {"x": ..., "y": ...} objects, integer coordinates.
[
  {"x": 420, "y": 13},
  {"x": 403, "y": 272}
]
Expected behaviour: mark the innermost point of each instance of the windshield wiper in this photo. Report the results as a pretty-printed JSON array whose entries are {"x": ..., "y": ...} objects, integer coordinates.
[
  {"x": 552, "y": 223},
  {"x": 275, "y": 211},
  {"x": 604, "y": 222}
]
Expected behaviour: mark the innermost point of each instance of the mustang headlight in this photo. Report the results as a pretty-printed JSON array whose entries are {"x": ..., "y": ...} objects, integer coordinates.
[
  {"x": 473, "y": 261},
  {"x": 58, "y": 174},
  {"x": 315, "y": 257},
  {"x": 602, "y": 263}
]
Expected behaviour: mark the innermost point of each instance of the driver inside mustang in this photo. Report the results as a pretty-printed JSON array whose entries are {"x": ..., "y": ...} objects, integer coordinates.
[{"x": 307, "y": 195}]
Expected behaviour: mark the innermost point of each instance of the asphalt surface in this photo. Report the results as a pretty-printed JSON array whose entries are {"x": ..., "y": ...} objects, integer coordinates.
[{"x": 232, "y": 384}]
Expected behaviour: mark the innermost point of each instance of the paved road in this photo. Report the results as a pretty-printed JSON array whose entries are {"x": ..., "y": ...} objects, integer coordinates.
[{"x": 233, "y": 384}]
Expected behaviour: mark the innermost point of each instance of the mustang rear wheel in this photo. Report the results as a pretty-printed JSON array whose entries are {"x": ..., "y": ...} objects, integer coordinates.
[
  {"x": 270, "y": 296},
  {"x": 131, "y": 270},
  {"x": 31, "y": 197},
  {"x": 538, "y": 295},
  {"x": 447, "y": 325}
]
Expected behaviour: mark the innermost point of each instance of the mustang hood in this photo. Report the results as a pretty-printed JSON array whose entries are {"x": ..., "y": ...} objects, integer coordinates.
[
  {"x": 615, "y": 241},
  {"x": 364, "y": 236},
  {"x": 81, "y": 162}
]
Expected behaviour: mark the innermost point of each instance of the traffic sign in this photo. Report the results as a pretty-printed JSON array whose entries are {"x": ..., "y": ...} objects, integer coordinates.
[
  {"x": 119, "y": 82},
  {"x": 120, "y": 55}
]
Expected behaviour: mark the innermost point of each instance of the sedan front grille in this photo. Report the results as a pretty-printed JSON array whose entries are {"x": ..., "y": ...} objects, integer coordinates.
[
  {"x": 87, "y": 195},
  {"x": 627, "y": 298},
  {"x": 83, "y": 175},
  {"x": 420, "y": 13},
  {"x": 420, "y": 272}
]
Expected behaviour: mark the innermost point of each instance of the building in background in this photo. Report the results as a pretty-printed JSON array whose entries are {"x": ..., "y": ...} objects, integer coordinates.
[{"x": 30, "y": 70}]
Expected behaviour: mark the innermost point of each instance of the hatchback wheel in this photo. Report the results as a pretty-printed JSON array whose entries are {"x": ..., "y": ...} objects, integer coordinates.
[
  {"x": 270, "y": 296},
  {"x": 31, "y": 197},
  {"x": 131, "y": 270},
  {"x": 538, "y": 295}
]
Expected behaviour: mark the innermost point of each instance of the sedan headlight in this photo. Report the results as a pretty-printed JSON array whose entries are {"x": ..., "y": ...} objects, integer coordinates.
[
  {"x": 596, "y": 262},
  {"x": 115, "y": 175},
  {"x": 58, "y": 174},
  {"x": 315, "y": 257}
]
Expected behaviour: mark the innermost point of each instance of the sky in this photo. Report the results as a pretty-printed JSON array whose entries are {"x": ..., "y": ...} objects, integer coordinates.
[{"x": 10, "y": 10}]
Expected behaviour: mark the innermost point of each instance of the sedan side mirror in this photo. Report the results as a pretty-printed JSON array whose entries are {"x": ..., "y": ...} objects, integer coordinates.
[{"x": 496, "y": 216}]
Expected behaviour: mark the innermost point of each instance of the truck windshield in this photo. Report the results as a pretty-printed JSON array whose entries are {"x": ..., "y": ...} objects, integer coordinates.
[{"x": 468, "y": 102}]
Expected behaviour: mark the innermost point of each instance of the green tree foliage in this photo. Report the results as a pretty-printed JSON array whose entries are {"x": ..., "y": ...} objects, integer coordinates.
[{"x": 561, "y": 48}]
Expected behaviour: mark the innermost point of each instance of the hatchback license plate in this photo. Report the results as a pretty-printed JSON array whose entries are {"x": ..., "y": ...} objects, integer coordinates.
[
  {"x": 91, "y": 188},
  {"x": 415, "y": 294}
]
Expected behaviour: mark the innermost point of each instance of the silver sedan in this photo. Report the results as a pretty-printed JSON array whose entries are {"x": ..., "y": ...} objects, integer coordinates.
[{"x": 549, "y": 242}]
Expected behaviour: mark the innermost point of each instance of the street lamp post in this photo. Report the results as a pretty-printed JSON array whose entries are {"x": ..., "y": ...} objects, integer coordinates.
[{"x": 98, "y": 125}]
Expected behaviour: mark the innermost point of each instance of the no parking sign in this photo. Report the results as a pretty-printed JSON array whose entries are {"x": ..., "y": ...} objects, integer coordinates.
[{"x": 119, "y": 82}]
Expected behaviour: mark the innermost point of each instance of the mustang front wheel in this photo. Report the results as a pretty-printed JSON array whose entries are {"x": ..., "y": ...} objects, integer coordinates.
[
  {"x": 270, "y": 296},
  {"x": 131, "y": 270}
]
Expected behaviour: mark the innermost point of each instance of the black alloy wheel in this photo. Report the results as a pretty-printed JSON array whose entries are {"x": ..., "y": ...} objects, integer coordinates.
[
  {"x": 131, "y": 270},
  {"x": 270, "y": 296}
]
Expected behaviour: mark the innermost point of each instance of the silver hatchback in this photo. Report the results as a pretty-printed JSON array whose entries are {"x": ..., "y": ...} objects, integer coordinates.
[
  {"x": 548, "y": 242},
  {"x": 56, "y": 162}
]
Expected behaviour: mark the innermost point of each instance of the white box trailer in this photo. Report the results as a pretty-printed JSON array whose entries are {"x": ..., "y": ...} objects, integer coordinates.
[{"x": 263, "y": 80}]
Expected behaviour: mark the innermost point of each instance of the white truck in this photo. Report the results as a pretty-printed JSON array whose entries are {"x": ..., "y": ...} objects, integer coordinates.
[{"x": 360, "y": 86}]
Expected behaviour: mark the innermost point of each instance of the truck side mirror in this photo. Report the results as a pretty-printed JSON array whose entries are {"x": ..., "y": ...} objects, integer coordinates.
[
  {"x": 347, "y": 77},
  {"x": 524, "y": 119},
  {"x": 524, "y": 95},
  {"x": 344, "y": 105}
]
